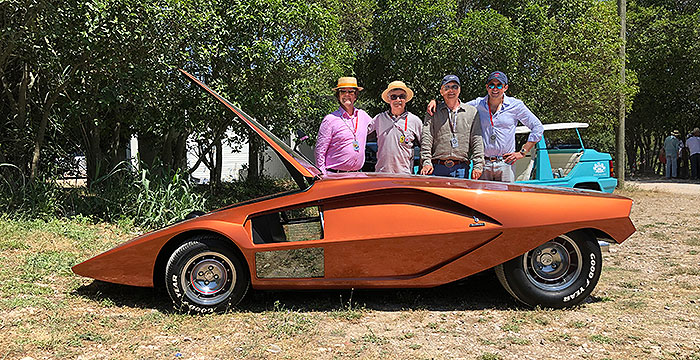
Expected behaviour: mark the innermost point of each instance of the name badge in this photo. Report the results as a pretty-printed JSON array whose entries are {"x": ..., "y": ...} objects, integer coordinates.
[
  {"x": 454, "y": 142},
  {"x": 356, "y": 145},
  {"x": 402, "y": 139},
  {"x": 493, "y": 137}
]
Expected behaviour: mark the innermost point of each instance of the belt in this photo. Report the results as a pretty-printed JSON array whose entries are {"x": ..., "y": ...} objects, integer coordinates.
[
  {"x": 340, "y": 171},
  {"x": 493, "y": 158},
  {"x": 448, "y": 162}
]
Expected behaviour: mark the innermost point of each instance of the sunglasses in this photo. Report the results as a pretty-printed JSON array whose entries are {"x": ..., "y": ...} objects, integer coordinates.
[
  {"x": 399, "y": 96},
  {"x": 499, "y": 86},
  {"x": 348, "y": 91},
  {"x": 451, "y": 87}
]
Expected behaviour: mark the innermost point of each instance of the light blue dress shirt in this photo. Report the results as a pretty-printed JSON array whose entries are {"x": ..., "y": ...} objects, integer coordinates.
[{"x": 505, "y": 120}]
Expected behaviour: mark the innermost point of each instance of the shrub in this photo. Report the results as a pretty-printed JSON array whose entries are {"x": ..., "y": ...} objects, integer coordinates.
[{"x": 148, "y": 198}]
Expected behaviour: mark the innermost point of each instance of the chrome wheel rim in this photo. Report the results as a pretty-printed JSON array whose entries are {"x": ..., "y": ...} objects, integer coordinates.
[
  {"x": 554, "y": 265},
  {"x": 208, "y": 278}
]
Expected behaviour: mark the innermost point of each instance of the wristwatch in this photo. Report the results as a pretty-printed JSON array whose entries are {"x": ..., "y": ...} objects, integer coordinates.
[{"x": 523, "y": 151}]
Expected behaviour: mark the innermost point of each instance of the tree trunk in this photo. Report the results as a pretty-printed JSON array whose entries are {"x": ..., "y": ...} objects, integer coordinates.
[
  {"x": 119, "y": 153},
  {"x": 147, "y": 151},
  {"x": 217, "y": 164},
  {"x": 93, "y": 153},
  {"x": 166, "y": 153},
  {"x": 180, "y": 153},
  {"x": 253, "y": 156},
  {"x": 41, "y": 131},
  {"x": 117, "y": 147},
  {"x": 39, "y": 140}
]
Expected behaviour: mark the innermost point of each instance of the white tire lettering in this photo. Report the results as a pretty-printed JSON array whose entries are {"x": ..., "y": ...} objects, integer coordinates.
[{"x": 582, "y": 289}]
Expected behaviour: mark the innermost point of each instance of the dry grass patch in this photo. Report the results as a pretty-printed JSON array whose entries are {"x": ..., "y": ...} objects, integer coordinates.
[{"x": 646, "y": 306}]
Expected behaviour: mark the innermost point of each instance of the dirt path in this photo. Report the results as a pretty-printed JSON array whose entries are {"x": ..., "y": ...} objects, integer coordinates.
[{"x": 675, "y": 186}]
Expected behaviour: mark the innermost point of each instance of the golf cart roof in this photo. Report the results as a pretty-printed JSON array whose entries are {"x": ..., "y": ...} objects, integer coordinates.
[{"x": 557, "y": 126}]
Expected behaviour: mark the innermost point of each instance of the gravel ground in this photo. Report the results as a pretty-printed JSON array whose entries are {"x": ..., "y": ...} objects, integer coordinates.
[{"x": 646, "y": 306}]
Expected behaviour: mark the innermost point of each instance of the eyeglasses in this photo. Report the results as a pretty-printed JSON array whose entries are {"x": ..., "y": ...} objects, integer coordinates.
[
  {"x": 499, "y": 86},
  {"x": 348, "y": 91},
  {"x": 451, "y": 87},
  {"x": 399, "y": 96}
]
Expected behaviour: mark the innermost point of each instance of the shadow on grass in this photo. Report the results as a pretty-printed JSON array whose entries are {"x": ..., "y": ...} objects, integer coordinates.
[
  {"x": 479, "y": 291},
  {"x": 109, "y": 294}
]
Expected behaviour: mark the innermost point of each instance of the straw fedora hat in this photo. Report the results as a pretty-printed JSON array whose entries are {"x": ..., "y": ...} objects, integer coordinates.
[
  {"x": 397, "y": 85},
  {"x": 347, "y": 82},
  {"x": 676, "y": 133}
]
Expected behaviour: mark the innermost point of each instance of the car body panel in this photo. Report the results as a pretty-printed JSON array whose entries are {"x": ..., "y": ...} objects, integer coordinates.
[
  {"x": 420, "y": 234},
  {"x": 374, "y": 230}
]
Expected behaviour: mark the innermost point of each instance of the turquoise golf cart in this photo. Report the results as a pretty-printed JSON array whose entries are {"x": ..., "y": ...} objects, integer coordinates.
[{"x": 563, "y": 161}]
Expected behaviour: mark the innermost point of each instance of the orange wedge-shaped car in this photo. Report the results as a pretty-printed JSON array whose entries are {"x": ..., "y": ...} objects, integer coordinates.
[{"x": 371, "y": 230}]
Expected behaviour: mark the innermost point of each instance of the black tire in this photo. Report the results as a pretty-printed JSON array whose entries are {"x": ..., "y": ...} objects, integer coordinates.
[
  {"x": 560, "y": 273},
  {"x": 203, "y": 276}
]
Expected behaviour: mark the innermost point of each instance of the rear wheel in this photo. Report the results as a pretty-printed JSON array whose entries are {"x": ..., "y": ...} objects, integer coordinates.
[
  {"x": 203, "y": 275},
  {"x": 559, "y": 273}
]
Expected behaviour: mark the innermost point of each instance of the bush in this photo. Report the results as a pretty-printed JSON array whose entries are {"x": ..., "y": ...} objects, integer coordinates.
[
  {"x": 242, "y": 190},
  {"x": 148, "y": 198},
  {"x": 19, "y": 198}
]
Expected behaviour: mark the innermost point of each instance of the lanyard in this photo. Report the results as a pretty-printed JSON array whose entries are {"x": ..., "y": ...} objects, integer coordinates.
[
  {"x": 453, "y": 123},
  {"x": 354, "y": 132},
  {"x": 488, "y": 107},
  {"x": 398, "y": 118}
]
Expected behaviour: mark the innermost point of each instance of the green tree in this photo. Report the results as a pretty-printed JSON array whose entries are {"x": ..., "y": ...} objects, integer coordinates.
[
  {"x": 37, "y": 64},
  {"x": 663, "y": 50},
  {"x": 275, "y": 58},
  {"x": 561, "y": 57}
]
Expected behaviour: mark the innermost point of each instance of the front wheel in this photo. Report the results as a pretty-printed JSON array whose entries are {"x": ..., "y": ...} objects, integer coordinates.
[
  {"x": 559, "y": 273},
  {"x": 203, "y": 276}
]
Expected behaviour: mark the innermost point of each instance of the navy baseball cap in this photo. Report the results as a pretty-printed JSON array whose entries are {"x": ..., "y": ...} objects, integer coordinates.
[
  {"x": 450, "y": 78},
  {"x": 498, "y": 75}
]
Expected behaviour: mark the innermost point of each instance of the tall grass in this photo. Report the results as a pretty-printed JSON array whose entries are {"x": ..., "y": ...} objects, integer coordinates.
[
  {"x": 146, "y": 198},
  {"x": 20, "y": 198}
]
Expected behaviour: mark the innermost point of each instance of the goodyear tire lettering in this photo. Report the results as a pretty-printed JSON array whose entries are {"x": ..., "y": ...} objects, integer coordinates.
[{"x": 582, "y": 289}]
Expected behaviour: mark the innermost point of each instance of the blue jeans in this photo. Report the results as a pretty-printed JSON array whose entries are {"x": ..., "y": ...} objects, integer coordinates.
[
  {"x": 671, "y": 166},
  {"x": 460, "y": 170}
]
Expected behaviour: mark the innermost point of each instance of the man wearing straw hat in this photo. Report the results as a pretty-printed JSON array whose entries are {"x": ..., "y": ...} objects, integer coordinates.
[
  {"x": 340, "y": 144},
  {"x": 398, "y": 131},
  {"x": 451, "y": 137}
]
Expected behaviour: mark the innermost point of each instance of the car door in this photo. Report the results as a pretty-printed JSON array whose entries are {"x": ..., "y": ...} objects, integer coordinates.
[{"x": 398, "y": 233}]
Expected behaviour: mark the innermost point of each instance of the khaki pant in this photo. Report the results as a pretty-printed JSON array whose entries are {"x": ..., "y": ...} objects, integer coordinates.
[{"x": 498, "y": 171}]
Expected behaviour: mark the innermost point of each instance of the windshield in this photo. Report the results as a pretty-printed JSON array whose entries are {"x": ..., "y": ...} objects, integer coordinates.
[{"x": 563, "y": 139}]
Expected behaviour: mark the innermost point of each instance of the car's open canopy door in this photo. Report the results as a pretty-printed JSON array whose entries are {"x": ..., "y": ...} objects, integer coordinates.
[{"x": 297, "y": 164}]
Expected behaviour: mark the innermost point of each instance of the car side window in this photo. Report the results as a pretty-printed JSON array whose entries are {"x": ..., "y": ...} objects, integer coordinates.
[
  {"x": 297, "y": 224},
  {"x": 563, "y": 139}
]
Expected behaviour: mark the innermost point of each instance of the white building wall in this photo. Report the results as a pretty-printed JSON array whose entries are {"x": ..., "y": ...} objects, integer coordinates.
[{"x": 233, "y": 163}]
